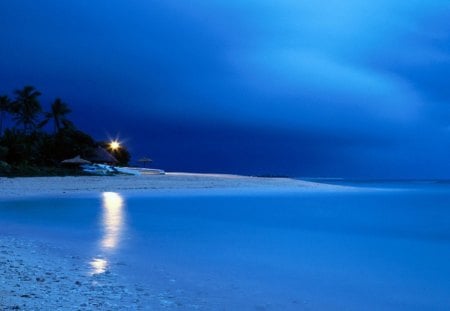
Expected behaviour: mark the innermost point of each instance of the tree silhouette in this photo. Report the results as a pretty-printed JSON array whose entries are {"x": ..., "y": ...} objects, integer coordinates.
[
  {"x": 28, "y": 150},
  {"x": 58, "y": 113},
  {"x": 26, "y": 108},
  {"x": 5, "y": 106}
]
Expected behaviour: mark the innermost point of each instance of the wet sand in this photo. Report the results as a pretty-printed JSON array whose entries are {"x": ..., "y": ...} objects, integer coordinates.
[{"x": 38, "y": 276}]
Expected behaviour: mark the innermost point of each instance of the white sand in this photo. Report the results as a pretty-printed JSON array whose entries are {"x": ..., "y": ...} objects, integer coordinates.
[
  {"x": 35, "y": 276},
  {"x": 148, "y": 184}
]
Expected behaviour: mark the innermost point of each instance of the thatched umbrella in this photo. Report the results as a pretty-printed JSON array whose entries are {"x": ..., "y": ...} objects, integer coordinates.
[
  {"x": 145, "y": 160},
  {"x": 76, "y": 160},
  {"x": 100, "y": 155}
]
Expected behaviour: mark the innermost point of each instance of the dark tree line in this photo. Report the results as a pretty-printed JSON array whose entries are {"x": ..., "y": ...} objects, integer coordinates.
[{"x": 27, "y": 144}]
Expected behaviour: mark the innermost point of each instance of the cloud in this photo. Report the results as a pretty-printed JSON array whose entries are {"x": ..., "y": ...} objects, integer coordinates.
[
  {"x": 347, "y": 76},
  {"x": 300, "y": 64},
  {"x": 316, "y": 87}
]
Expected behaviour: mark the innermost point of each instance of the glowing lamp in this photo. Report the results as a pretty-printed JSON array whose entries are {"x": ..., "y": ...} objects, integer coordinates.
[{"x": 114, "y": 145}]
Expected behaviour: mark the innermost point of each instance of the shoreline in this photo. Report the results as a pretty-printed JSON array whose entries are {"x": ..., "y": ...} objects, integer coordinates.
[
  {"x": 168, "y": 184},
  {"x": 45, "y": 267},
  {"x": 39, "y": 275}
]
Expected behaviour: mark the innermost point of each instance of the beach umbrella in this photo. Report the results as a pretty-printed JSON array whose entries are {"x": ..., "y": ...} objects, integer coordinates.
[
  {"x": 100, "y": 155},
  {"x": 76, "y": 160},
  {"x": 145, "y": 160}
]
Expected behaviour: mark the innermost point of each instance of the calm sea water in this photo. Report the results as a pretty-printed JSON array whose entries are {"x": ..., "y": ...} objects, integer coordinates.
[{"x": 384, "y": 246}]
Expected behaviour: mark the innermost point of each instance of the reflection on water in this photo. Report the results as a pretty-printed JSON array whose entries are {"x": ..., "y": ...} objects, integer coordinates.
[
  {"x": 112, "y": 225},
  {"x": 98, "y": 265},
  {"x": 112, "y": 219}
]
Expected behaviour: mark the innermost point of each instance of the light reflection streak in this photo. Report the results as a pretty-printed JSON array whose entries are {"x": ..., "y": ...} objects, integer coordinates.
[
  {"x": 112, "y": 224},
  {"x": 112, "y": 219},
  {"x": 98, "y": 265}
]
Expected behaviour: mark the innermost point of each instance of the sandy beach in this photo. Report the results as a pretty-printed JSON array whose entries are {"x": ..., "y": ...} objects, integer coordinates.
[
  {"x": 36, "y": 276},
  {"x": 221, "y": 242},
  {"x": 147, "y": 184}
]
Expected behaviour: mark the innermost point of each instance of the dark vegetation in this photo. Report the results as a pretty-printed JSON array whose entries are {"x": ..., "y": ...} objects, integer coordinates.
[{"x": 38, "y": 140}]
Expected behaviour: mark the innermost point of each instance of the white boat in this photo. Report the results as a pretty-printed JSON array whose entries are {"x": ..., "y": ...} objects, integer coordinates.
[
  {"x": 139, "y": 171},
  {"x": 97, "y": 169},
  {"x": 150, "y": 171},
  {"x": 127, "y": 170},
  {"x": 103, "y": 169}
]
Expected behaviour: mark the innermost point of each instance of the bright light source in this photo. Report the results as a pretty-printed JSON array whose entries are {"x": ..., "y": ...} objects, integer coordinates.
[{"x": 114, "y": 145}]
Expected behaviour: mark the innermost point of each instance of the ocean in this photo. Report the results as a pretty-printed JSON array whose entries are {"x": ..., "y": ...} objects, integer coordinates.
[{"x": 379, "y": 246}]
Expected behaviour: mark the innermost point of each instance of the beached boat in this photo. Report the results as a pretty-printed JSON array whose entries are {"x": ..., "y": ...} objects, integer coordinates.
[
  {"x": 139, "y": 171},
  {"x": 97, "y": 169},
  {"x": 104, "y": 169},
  {"x": 150, "y": 171},
  {"x": 127, "y": 170}
]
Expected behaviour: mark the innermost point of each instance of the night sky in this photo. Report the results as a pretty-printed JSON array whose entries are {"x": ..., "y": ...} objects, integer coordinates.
[{"x": 339, "y": 88}]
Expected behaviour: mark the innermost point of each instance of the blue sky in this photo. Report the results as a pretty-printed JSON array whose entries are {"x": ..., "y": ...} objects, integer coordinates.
[{"x": 308, "y": 88}]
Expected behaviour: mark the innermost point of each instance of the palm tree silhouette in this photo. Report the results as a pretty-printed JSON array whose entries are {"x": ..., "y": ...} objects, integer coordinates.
[
  {"x": 5, "y": 106},
  {"x": 26, "y": 108},
  {"x": 58, "y": 113}
]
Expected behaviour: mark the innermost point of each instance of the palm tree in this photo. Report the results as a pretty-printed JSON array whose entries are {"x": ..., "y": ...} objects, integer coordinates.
[
  {"x": 58, "y": 113},
  {"x": 26, "y": 108},
  {"x": 5, "y": 106}
]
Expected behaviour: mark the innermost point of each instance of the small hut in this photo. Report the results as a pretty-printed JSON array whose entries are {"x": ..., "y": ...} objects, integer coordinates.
[
  {"x": 76, "y": 161},
  {"x": 145, "y": 161}
]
